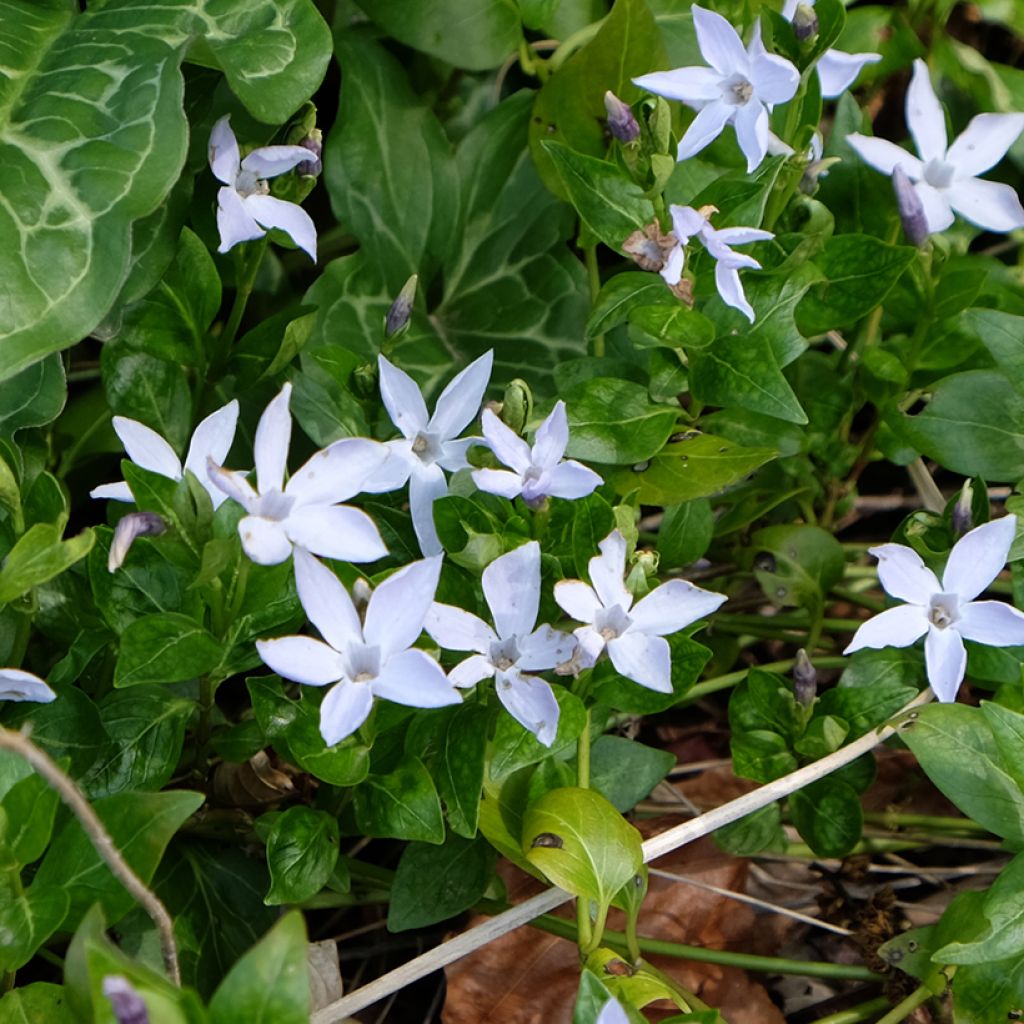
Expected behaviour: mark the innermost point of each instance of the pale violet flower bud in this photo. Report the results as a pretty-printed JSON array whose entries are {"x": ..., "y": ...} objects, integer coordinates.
[
  {"x": 135, "y": 524},
  {"x": 837, "y": 70},
  {"x": 18, "y": 685},
  {"x": 398, "y": 315},
  {"x": 622, "y": 122},
  {"x": 945, "y": 613},
  {"x": 945, "y": 178},
  {"x": 963, "y": 515},
  {"x": 126, "y": 1003},
  {"x": 805, "y": 679},
  {"x": 805, "y": 22},
  {"x": 911, "y": 209},
  {"x": 314, "y": 142}
]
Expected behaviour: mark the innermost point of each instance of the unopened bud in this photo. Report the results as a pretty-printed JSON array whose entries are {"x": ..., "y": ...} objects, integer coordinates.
[
  {"x": 517, "y": 405},
  {"x": 314, "y": 142},
  {"x": 621, "y": 121},
  {"x": 361, "y": 594},
  {"x": 963, "y": 514},
  {"x": 805, "y": 679},
  {"x": 365, "y": 381},
  {"x": 126, "y": 1003},
  {"x": 644, "y": 569},
  {"x": 805, "y": 23},
  {"x": 401, "y": 309},
  {"x": 135, "y": 524},
  {"x": 908, "y": 202}
]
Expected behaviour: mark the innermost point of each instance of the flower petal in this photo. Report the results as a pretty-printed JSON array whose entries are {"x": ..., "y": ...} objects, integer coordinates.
[
  {"x": 498, "y": 481},
  {"x": 426, "y": 485},
  {"x": 577, "y": 599},
  {"x": 234, "y": 484},
  {"x": 470, "y": 671},
  {"x": 607, "y": 570},
  {"x": 730, "y": 289},
  {"x": 458, "y": 630},
  {"x": 589, "y": 645},
  {"x": 146, "y": 448},
  {"x": 884, "y": 155},
  {"x": 938, "y": 214},
  {"x": 212, "y": 439},
  {"x": 290, "y": 218},
  {"x": 719, "y": 43},
  {"x": 402, "y": 398},
  {"x": 704, "y": 129},
  {"x": 991, "y": 622},
  {"x": 531, "y": 702},
  {"x": 223, "y": 151},
  {"x": 303, "y": 659},
  {"x": 399, "y": 606},
  {"x": 741, "y": 236},
  {"x": 978, "y": 557},
  {"x": 413, "y": 678},
  {"x": 270, "y": 447},
  {"x": 18, "y": 685},
  {"x": 509, "y": 447},
  {"x": 234, "y": 223},
  {"x": 686, "y": 222},
  {"x": 984, "y": 142},
  {"x": 394, "y": 471},
  {"x": 895, "y": 627},
  {"x": 775, "y": 79},
  {"x": 552, "y": 438},
  {"x": 837, "y": 71},
  {"x": 570, "y": 480},
  {"x": 454, "y": 452},
  {"x": 270, "y": 161},
  {"x": 336, "y": 531},
  {"x": 512, "y": 587},
  {"x": 326, "y": 602},
  {"x": 264, "y": 540},
  {"x": 694, "y": 85},
  {"x": 946, "y": 661},
  {"x": 336, "y": 473},
  {"x": 989, "y": 204},
  {"x": 904, "y": 575},
  {"x": 458, "y": 404},
  {"x": 113, "y": 492},
  {"x": 343, "y": 710},
  {"x": 751, "y": 124},
  {"x": 672, "y": 271},
  {"x": 925, "y": 119},
  {"x": 673, "y": 606},
  {"x": 544, "y": 649},
  {"x": 644, "y": 659}
]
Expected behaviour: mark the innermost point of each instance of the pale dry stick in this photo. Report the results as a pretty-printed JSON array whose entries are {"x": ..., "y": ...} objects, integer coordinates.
[
  {"x": 19, "y": 743},
  {"x": 927, "y": 490},
  {"x": 657, "y": 846}
]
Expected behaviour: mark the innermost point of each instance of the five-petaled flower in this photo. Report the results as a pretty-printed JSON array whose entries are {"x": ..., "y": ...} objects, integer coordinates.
[
  {"x": 739, "y": 88},
  {"x": 305, "y": 511},
  {"x": 689, "y": 223},
  {"x": 947, "y": 612},
  {"x": 373, "y": 658},
  {"x": 244, "y": 206},
  {"x": 513, "y": 648},
  {"x": 147, "y": 449},
  {"x": 538, "y": 472},
  {"x": 633, "y": 634},
  {"x": 946, "y": 178},
  {"x": 429, "y": 445}
]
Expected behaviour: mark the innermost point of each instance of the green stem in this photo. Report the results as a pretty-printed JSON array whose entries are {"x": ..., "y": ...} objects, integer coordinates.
[
  {"x": 248, "y": 266},
  {"x": 895, "y": 820},
  {"x": 691, "y": 1002},
  {"x": 594, "y": 277},
  {"x": 583, "y": 756},
  {"x": 587, "y": 936},
  {"x": 746, "y": 961},
  {"x": 856, "y": 1014},
  {"x": 907, "y": 1006},
  {"x": 854, "y": 597},
  {"x": 717, "y": 683}
]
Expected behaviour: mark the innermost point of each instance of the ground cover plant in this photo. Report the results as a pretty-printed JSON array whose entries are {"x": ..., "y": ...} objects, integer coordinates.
[{"x": 463, "y": 457}]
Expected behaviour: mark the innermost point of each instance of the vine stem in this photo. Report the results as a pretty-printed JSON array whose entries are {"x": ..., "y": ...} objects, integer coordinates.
[
  {"x": 19, "y": 743},
  {"x": 657, "y": 846}
]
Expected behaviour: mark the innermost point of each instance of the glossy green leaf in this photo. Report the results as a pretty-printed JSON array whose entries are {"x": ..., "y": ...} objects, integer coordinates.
[
  {"x": 865, "y": 707},
  {"x": 685, "y": 533},
  {"x": 828, "y": 816},
  {"x": 797, "y": 565},
  {"x": 761, "y": 755},
  {"x": 40, "y": 1002},
  {"x": 1008, "y": 729},
  {"x": 165, "y": 648},
  {"x": 400, "y": 805},
  {"x": 33, "y": 397},
  {"x": 29, "y": 808},
  {"x": 302, "y": 849},
  {"x": 39, "y": 555},
  {"x": 625, "y": 771},
  {"x": 620, "y": 295},
  {"x": 459, "y": 767},
  {"x": 514, "y": 747},
  {"x": 615, "y": 691},
  {"x": 760, "y": 832}
]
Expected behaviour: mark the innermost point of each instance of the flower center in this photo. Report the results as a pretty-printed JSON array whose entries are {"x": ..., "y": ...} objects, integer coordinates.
[
  {"x": 363, "y": 662},
  {"x": 504, "y": 654},
  {"x": 247, "y": 184},
  {"x": 943, "y": 610},
  {"x": 426, "y": 447},
  {"x": 737, "y": 90},
  {"x": 275, "y": 505},
  {"x": 612, "y": 622},
  {"x": 938, "y": 173}
]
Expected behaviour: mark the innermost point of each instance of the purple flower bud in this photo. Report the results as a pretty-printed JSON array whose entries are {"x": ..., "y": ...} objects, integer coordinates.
[
  {"x": 135, "y": 524},
  {"x": 401, "y": 309},
  {"x": 126, "y": 1002},
  {"x": 963, "y": 516},
  {"x": 805, "y": 679},
  {"x": 621, "y": 122},
  {"x": 908, "y": 202},
  {"x": 805, "y": 23},
  {"x": 314, "y": 142}
]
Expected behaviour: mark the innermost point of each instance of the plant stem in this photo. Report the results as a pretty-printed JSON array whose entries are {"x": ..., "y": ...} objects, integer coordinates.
[
  {"x": 594, "y": 277},
  {"x": 717, "y": 683},
  {"x": 856, "y": 1014},
  {"x": 19, "y": 743},
  {"x": 907, "y": 1006},
  {"x": 896, "y": 819},
  {"x": 586, "y": 933},
  {"x": 249, "y": 262}
]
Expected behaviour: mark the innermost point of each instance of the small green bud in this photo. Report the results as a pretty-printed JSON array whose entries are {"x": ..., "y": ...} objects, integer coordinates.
[
  {"x": 364, "y": 381},
  {"x": 517, "y": 405}
]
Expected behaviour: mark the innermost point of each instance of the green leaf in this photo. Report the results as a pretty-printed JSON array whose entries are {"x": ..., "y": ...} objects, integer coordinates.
[
  {"x": 434, "y": 883},
  {"x": 1000, "y": 333},
  {"x": 620, "y": 295},
  {"x": 29, "y": 808},
  {"x": 828, "y": 816},
  {"x": 401, "y": 805},
  {"x": 459, "y": 767},
  {"x": 615, "y": 691},
  {"x": 37, "y": 1003},
  {"x": 765, "y": 701},
  {"x": 270, "y": 984},
  {"x": 696, "y": 466},
  {"x": 514, "y": 747},
  {"x": 685, "y": 533},
  {"x": 867, "y": 706},
  {"x": 593, "y": 519},
  {"x": 140, "y": 824},
  {"x": 672, "y": 325},
  {"x": 958, "y": 752},
  {"x": 625, "y": 772},
  {"x": 463, "y": 33},
  {"x": 1008, "y": 729},
  {"x": 33, "y": 397},
  {"x": 797, "y": 565},
  {"x": 302, "y": 849},
  {"x": 613, "y": 421},
  {"x": 581, "y": 843},
  {"x": 971, "y": 425},
  {"x": 609, "y": 202},
  {"x": 165, "y": 648},
  {"x": 28, "y": 918},
  {"x": 761, "y": 755},
  {"x": 39, "y": 555},
  {"x": 760, "y": 832},
  {"x": 569, "y": 108}
]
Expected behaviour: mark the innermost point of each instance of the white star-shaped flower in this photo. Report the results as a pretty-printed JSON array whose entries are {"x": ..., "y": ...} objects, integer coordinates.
[
  {"x": 367, "y": 659},
  {"x": 739, "y": 88},
  {"x": 837, "y": 70},
  {"x": 17, "y": 684},
  {"x": 305, "y": 511},
  {"x": 513, "y": 648},
  {"x": 538, "y": 472},
  {"x": 689, "y": 223},
  {"x": 946, "y": 178},
  {"x": 147, "y": 449},
  {"x": 429, "y": 444},
  {"x": 633, "y": 635},
  {"x": 244, "y": 205},
  {"x": 946, "y": 611}
]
